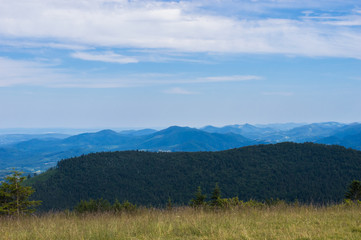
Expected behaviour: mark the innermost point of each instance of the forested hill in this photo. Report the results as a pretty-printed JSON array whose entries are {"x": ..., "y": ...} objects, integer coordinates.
[{"x": 307, "y": 172}]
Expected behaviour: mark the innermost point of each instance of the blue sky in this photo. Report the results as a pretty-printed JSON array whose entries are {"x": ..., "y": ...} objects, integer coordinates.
[{"x": 131, "y": 64}]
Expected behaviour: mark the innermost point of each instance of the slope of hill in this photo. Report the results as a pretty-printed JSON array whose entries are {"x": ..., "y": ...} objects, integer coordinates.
[
  {"x": 246, "y": 130},
  {"x": 313, "y": 131},
  {"x": 192, "y": 140},
  {"x": 280, "y": 133},
  {"x": 141, "y": 132},
  {"x": 280, "y": 126},
  {"x": 307, "y": 172},
  {"x": 348, "y": 136}
]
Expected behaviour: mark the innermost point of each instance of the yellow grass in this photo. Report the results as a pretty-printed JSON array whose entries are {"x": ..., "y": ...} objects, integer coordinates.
[{"x": 280, "y": 222}]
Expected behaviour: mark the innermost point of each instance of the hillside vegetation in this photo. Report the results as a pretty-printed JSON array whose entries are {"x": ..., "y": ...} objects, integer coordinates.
[{"x": 307, "y": 172}]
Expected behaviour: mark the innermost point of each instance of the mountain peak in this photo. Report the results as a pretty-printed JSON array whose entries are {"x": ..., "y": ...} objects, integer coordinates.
[
  {"x": 177, "y": 128},
  {"x": 106, "y": 132}
]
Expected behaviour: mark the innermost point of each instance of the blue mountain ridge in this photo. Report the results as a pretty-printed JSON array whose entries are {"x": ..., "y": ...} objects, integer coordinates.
[{"x": 39, "y": 154}]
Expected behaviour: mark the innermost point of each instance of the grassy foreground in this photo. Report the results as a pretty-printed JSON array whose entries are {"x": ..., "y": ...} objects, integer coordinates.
[{"x": 279, "y": 222}]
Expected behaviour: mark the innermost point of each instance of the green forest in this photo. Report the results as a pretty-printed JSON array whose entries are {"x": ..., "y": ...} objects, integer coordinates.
[{"x": 307, "y": 172}]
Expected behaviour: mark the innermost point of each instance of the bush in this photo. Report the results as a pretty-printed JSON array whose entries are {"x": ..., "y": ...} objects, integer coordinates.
[
  {"x": 349, "y": 202},
  {"x": 99, "y": 205},
  {"x": 253, "y": 203},
  {"x": 229, "y": 202},
  {"x": 276, "y": 202},
  {"x": 103, "y": 205}
]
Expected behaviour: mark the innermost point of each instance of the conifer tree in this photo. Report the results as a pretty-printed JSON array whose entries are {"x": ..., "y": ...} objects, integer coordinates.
[
  {"x": 216, "y": 196},
  {"x": 199, "y": 198},
  {"x": 14, "y": 198},
  {"x": 354, "y": 191},
  {"x": 169, "y": 203}
]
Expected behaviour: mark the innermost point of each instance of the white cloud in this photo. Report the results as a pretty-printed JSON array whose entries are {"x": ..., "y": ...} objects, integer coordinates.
[
  {"x": 21, "y": 72},
  {"x": 179, "y": 91},
  {"x": 201, "y": 80},
  {"x": 32, "y": 44},
  {"x": 178, "y": 26},
  {"x": 104, "y": 57},
  {"x": 351, "y": 20},
  {"x": 42, "y": 73}
]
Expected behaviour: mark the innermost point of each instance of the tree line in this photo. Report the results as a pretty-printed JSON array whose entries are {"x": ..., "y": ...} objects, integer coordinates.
[
  {"x": 199, "y": 201},
  {"x": 14, "y": 199}
]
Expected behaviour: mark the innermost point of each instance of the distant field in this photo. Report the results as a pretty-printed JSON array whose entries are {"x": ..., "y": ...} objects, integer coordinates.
[{"x": 279, "y": 222}]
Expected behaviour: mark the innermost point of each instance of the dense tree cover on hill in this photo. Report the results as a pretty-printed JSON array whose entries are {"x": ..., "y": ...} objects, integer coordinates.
[{"x": 307, "y": 172}]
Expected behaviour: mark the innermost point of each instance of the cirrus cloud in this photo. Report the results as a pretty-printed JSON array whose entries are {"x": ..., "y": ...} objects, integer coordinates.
[
  {"x": 42, "y": 73},
  {"x": 179, "y": 91},
  {"x": 110, "y": 57}
]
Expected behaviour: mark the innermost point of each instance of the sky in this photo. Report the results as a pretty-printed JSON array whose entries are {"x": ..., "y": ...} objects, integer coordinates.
[{"x": 136, "y": 64}]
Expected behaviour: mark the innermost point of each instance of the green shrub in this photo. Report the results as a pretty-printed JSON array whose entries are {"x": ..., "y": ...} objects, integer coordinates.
[
  {"x": 103, "y": 205},
  {"x": 99, "y": 205},
  {"x": 252, "y": 203}
]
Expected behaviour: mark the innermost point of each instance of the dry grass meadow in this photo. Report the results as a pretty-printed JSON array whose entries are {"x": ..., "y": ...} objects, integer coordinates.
[{"x": 279, "y": 222}]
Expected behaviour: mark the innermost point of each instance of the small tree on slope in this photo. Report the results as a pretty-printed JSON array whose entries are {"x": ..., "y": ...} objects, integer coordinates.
[
  {"x": 14, "y": 198},
  {"x": 199, "y": 198},
  {"x": 354, "y": 191},
  {"x": 216, "y": 200}
]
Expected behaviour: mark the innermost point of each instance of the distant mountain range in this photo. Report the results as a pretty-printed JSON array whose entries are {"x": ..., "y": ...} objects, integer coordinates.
[
  {"x": 15, "y": 138},
  {"x": 32, "y": 153},
  {"x": 304, "y": 133}
]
